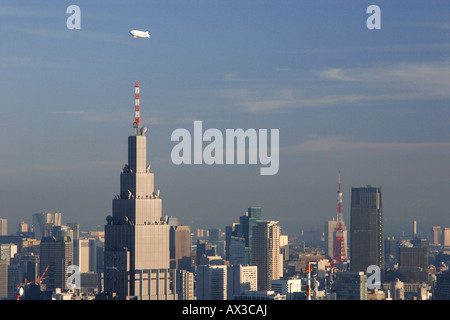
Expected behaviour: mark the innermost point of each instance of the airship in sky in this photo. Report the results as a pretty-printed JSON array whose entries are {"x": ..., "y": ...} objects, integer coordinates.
[{"x": 139, "y": 34}]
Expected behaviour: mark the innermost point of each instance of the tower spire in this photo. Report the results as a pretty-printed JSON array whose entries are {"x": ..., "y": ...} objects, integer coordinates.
[
  {"x": 340, "y": 254},
  {"x": 137, "y": 119}
]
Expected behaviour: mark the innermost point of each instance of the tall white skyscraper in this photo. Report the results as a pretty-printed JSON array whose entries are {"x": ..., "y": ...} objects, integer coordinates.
[{"x": 136, "y": 235}]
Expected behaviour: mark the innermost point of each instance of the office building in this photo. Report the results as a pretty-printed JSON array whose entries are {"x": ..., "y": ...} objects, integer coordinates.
[
  {"x": 212, "y": 282},
  {"x": 446, "y": 237},
  {"x": 180, "y": 247},
  {"x": 56, "y": 254},
  {"x": 436, "y": 235},
  {"x": 43, "y": 223},
  {"x": 185, "y": 285},
  {"x": 3, "y": 227},
  {"x": 7, "y": 251},
  {"x": 266, "y": 253},
  {"x": 204, "y": 249},
  {"x": 351, "y": 286},
  {"x": 240, "y": 279},
  {"x": 136, "y": 235},
  {"x": 3, "y": 279},
  {"x": 290, "y": 288},
  {"x": 442, "y": 288},
  {"x": 85, "y": 255},
  {"x": 367, "y": 235}
]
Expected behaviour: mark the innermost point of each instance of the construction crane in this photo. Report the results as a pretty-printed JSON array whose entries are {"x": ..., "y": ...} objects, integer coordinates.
[{"x": 38, "y": 281}]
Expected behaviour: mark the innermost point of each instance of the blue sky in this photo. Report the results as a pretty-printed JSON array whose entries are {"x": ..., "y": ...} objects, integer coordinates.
[{"x": 374, "y": 103}]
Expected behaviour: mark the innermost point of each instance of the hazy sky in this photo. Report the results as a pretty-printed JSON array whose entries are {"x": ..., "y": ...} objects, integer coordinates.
[{"x": 374, "y": 103}]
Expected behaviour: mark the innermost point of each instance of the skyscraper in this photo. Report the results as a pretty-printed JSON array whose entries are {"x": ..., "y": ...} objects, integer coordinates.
[
  {"x": 56, "y": 253},
  {"x": 266, "y": 253},
  {"x": 241, "y": 253},
  {"x": 136, "y": 235},
  {"x": 43, "y": 223},
  {"x": 366, "y": 241},
  {"x": 212, "y": 282},
  {"x": 3, "y": 227}
]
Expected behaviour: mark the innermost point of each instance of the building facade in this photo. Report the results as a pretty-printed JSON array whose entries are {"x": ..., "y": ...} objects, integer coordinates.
[
  {"x": 266, "y": 253},
  {"x": 367, "y": 235},
  {"x": 136, "y": 235}
]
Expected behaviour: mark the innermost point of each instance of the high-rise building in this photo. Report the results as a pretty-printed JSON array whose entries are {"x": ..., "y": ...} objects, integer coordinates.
[
  {"x": 22, "y": 227},
  {"x": 57, "y": 254},
  {"x": 212, "y": 282},
  {"x": 367, "y": 236},
  {"x": 180, "y": 247},
  {"x": 242, "y": 232},
  {"x": 442, "y": 287},
  {"x": 241, "y": 279},
  {"x": 446, "y": 237},
  {"x": 351, "y": 286},
  {"x": 7, "y": 251},
  {"x": 136, "y": 235},
  {"x": 266, "y": 253},
  {"x": 185, "y": 285},
  {"x": 436, "y": 235},
  {"x": 85, "y": 255},
  {"x": 43, "y": 223},
  {"x": 3, "y": 279},
  {"x": 3, "y": 227}
]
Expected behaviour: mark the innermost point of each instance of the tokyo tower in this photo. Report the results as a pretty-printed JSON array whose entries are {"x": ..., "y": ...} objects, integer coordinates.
[{"x": 340, "y": 254}]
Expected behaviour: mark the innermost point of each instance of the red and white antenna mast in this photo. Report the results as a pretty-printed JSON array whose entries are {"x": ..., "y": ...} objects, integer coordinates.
[
  {"x": 340, "y": 254},
  {"x": 137, "y": 119}
]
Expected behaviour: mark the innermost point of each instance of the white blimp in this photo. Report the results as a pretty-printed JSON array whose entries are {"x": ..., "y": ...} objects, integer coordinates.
[{"x": 139, "y": 34}]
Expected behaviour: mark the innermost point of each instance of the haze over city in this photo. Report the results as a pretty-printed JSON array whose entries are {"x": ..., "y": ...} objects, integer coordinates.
[{"x": 373, "y": 103}]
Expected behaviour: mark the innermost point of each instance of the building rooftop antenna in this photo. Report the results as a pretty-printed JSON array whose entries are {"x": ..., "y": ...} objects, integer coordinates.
[{"x": 137, "y": 118}]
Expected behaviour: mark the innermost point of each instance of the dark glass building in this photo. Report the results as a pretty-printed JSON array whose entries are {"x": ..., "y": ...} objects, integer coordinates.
[{"x": 366, "y": 223}]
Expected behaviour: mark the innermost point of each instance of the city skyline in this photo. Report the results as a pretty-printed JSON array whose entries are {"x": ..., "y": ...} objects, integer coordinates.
[{"x": 373, "y": 103}]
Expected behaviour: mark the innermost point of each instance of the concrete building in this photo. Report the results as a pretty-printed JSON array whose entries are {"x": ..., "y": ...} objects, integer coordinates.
[
  {"x": 85, "y": 255},
  {"x": 398, "y": 290},
  {"x": 436, "y": 235},
  {"x": 180, "y": 247},
  {"x": 266, "y": 253},
  {"x": 240, "y": 279},
  {"x": 7, "y": 251},
  {"x": 3, "y": 227},
  {"x": 367, "y": 235},
  {"x": 137, "y": 238},
  {"x": 287, "y": 287},
  {"x": 446, "y": 237},
  {"x": 3, "y": 279},
  {"x": 260, "y": 295},
  {"x": 185, "y": 285}
]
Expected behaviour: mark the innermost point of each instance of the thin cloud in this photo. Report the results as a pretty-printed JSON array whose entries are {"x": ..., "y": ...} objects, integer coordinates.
[
  {"x": 232, "y": 76},
  {"x": 429, "y": 79},
  {"x": 342, "y": 144},
  {"x": 282, "y": 104}
]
